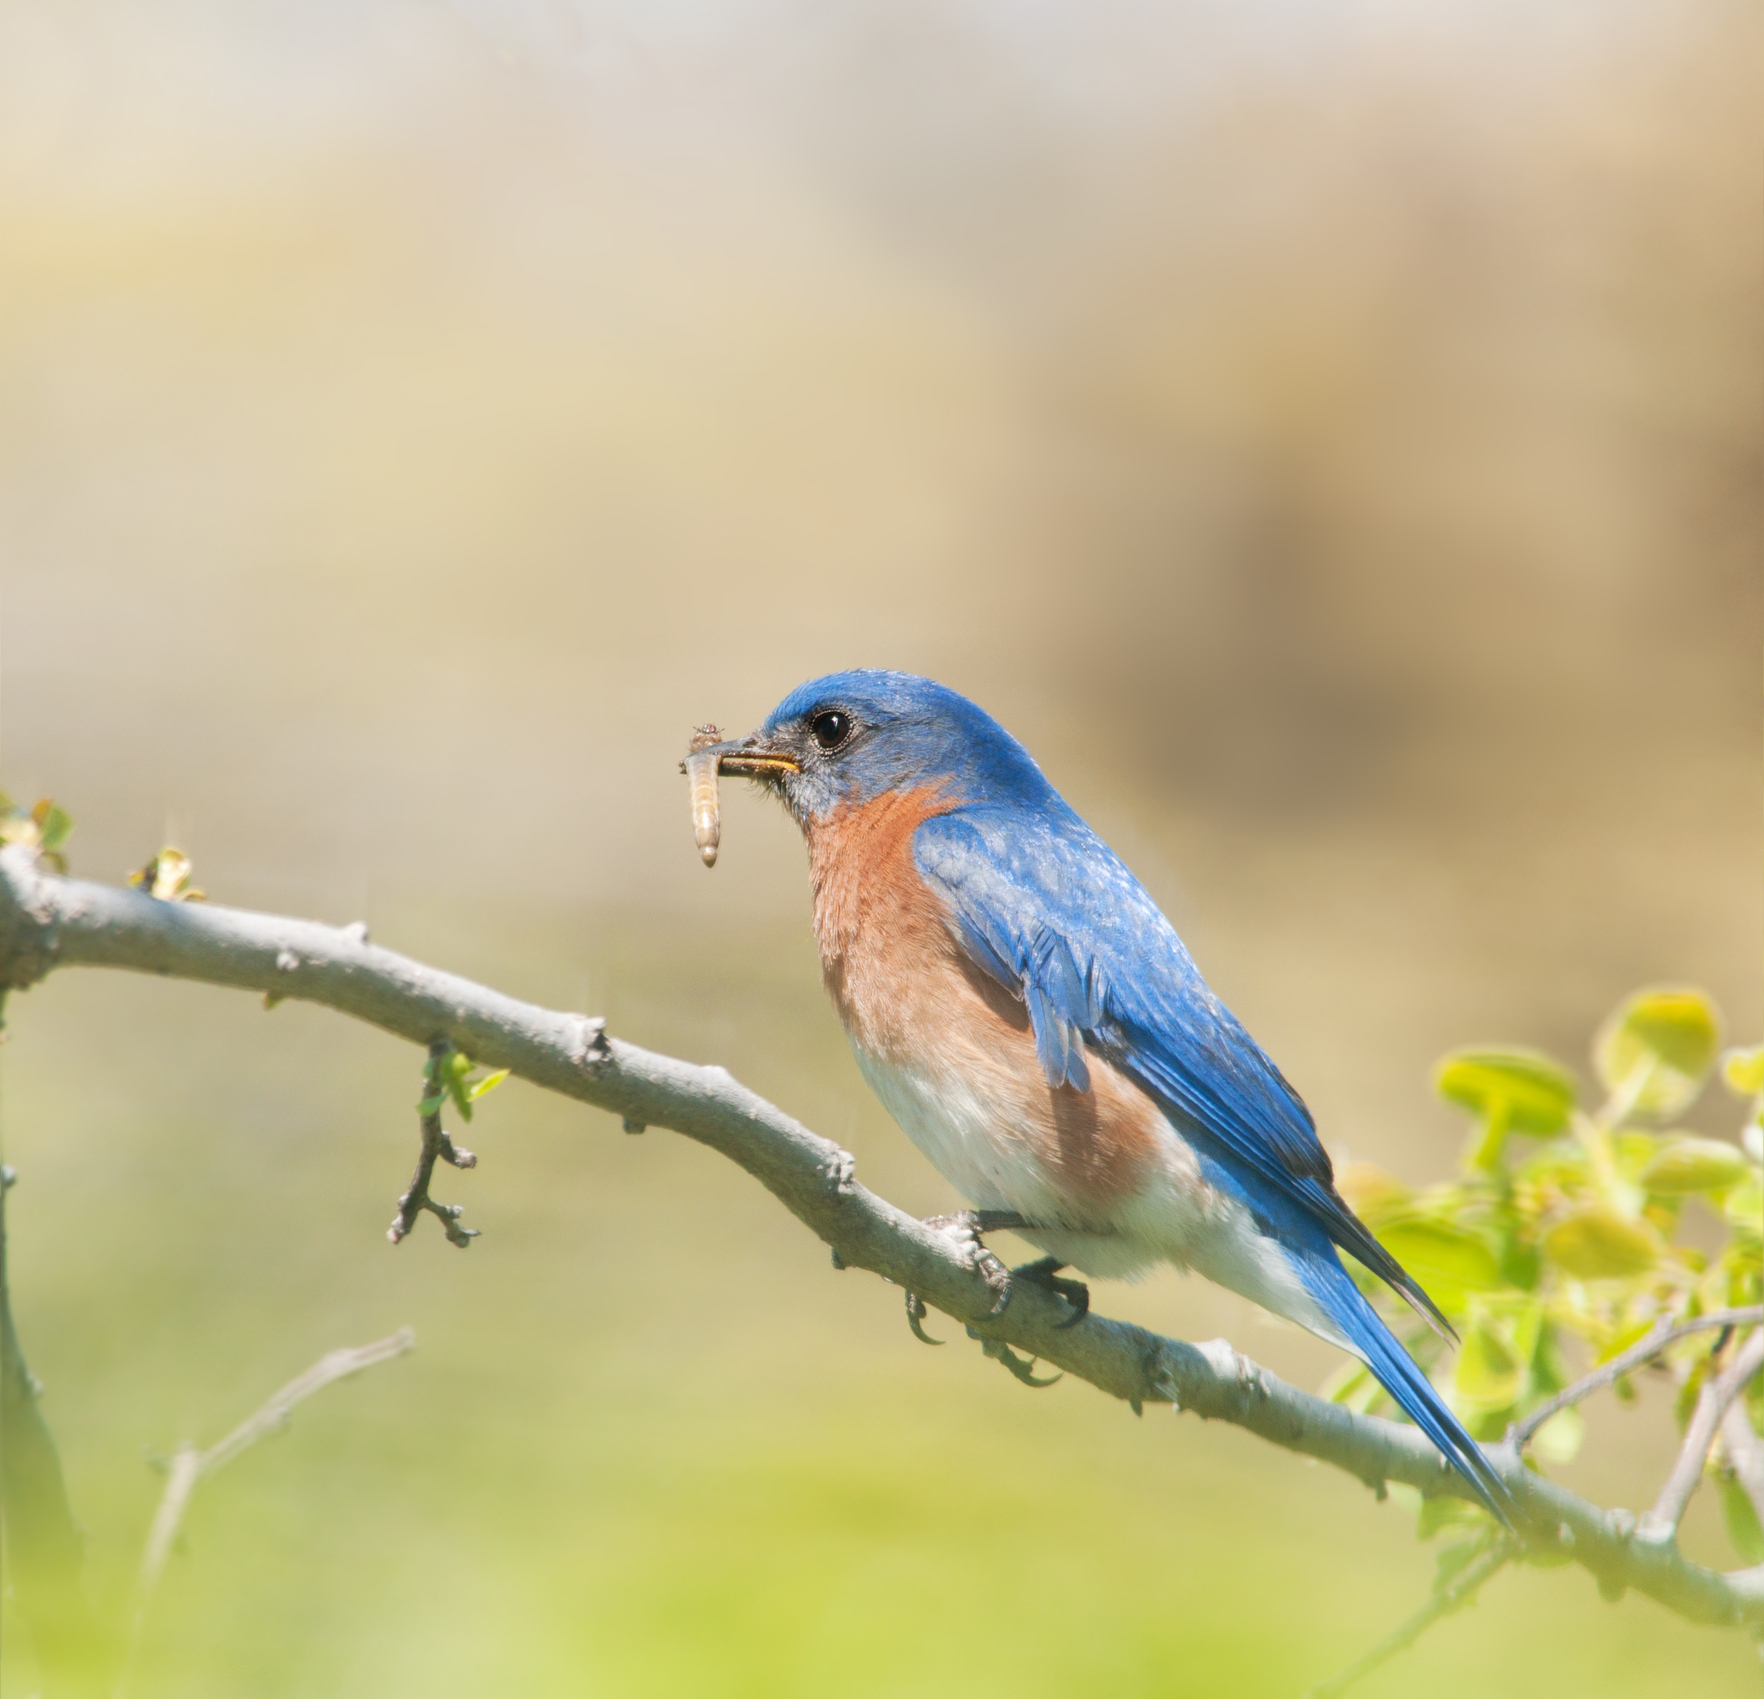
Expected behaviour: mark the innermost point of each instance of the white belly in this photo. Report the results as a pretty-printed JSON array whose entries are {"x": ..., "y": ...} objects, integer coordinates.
[{"x": 1174, "y": 1216}]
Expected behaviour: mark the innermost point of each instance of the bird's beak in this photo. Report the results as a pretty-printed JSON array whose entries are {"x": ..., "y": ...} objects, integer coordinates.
[{"x": 748, "y": 758}]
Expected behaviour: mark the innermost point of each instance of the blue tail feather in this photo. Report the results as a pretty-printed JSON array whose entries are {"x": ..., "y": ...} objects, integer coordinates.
[{"x": 1400, "y": 1375}]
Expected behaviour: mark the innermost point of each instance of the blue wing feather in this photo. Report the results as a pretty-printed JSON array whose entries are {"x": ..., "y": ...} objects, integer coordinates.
[
  {"x": 1046, "y": 908},
  {"x": 1081, "y": 942}
]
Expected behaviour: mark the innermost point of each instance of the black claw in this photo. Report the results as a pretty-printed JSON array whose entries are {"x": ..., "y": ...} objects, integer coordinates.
[
  {"x": 916, "y": 1313},
  {"x": 1044, "y": 1272},
  {"x": 1023, "y": 1368}
]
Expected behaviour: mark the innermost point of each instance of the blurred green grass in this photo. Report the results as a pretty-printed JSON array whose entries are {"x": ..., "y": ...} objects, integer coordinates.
[{"x": 650, "y": 1442}]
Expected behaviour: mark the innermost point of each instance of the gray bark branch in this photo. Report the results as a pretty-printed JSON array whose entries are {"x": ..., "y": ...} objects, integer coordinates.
[
  {"x": 47, "y": 923},
  {"x": 1719, "y": 1391}
]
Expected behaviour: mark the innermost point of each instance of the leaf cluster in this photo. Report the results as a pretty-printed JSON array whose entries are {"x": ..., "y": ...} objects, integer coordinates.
[
  {"x": 454, "y": 1075},
  {"x": 45, "y": 826},
  {"x": 1568, "y": 1224}
]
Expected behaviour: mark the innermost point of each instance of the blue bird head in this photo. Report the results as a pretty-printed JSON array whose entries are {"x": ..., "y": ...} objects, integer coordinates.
[{"x": 845, "y": 739}]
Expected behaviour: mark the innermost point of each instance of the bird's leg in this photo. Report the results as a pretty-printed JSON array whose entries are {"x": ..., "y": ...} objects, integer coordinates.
[
  {"x": 1045, "y": 1272},
  {"x": 971, "y": 1223}
]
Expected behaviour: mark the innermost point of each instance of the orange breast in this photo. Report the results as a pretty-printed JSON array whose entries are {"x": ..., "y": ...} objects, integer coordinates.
[{"x": 913, "y": 1001}]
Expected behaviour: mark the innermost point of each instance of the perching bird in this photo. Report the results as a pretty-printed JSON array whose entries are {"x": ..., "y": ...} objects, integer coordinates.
[{"x": 1035, "y": 1025}]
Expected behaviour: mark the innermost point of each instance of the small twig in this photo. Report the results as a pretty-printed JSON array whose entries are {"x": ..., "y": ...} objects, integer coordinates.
[
  {"x": 436, "y": 1143},
  {"x": 1453, "y": 1596},
  {"x": 44, "y": 1551},
  {"x": 1718, "y": 1392},
  {"x": 1745, "y": 1452},
  {"x": 1643, "y": 1351},
  {"x": 190, "y": 1467}
]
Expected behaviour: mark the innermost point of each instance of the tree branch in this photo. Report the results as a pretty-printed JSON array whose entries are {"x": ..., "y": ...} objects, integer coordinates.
[
  {"x": 189, "y": 1468},
  {"x": 48, "y": 922},
  {"x": 1745, "y": 1451},
  {"x": 43, "y": 1547},
  {"x": 1644, "y": 1351},
  {"x": 1719, "y": 1391},
  {"x": 436, "y": 1144}
]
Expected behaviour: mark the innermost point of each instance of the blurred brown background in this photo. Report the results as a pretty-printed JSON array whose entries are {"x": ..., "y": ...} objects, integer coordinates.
[{"x": 1330, "y": 440}]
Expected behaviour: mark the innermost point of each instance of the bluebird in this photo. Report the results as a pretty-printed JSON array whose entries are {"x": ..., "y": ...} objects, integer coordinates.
[{"x": 1026, "y": 1013}]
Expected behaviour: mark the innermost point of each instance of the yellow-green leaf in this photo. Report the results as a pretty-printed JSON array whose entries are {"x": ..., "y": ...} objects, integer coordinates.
[
  {"x": 1559, "y": 1439},
  {"x": 1449, "y": 1261},
  {"x": 1657, "y": 1048},
  {"x": 1371, "y": 1192},
  {"x": 1744, "y": 1208},
  {"x": 1744, "y": 1070},
  {"x": 1742, "y": 1520},
  {"x": 1439, "y": 1513},
  {"x": 1694, "y": 1165},
  {"x": 1522, "y": 1089},
  {"x": 1354, "y": 1385},
  {"x": 1599, "y": 1244},
  {"x": 55, "y": 825},
  {"x": 1489, "y": 1372}
]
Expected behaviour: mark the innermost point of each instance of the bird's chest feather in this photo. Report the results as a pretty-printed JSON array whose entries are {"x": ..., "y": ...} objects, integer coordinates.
[{"x": 949, "y": 1050}]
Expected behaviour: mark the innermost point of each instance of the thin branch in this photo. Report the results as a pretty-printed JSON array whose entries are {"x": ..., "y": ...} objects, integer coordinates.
[
  {"x": 1745, "y": 1452},
  {"x": 48, "y": 922},
  {"x": 436, "y": 1144},
  {"x": 43, "y": 1546},
  {"x": 189, "y": 1467},
  {"x": 1644, "y": 1351},
  {"x": 1453, "y": 1596},
  {"x": 1719, "y": 1391}
]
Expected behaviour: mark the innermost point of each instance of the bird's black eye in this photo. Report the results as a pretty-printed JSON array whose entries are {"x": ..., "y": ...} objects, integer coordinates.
[{"x": 831, "y": 729}]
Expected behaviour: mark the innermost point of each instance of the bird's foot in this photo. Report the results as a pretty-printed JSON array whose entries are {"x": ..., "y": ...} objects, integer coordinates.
[
  {"x": 1045, "y": 1272},
  {"x": 968, "y": 1225}
]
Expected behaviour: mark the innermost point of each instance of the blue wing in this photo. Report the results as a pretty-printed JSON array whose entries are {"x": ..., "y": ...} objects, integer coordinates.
[{"x": 1048, "y": 909}]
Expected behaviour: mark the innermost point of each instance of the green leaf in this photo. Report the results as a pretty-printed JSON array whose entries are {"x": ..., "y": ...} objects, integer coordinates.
[
  {"x": 1694, "y": 1165},
  {"x": 1448, "y": 1260},
  {"x": 1514, "y": 1090},
  {"x": 1355, "y": 1386},
  {"x": 1438, "y": 1513},
  {"x": 1742, "y": 1520},
  {"x": 1657, "y": 1047},
  {"x": 488, "y": 1083},
  {"x": 1371, "y": 1192},
  {"x": 1559, "y": 1439},
  {"x": 54, "y": 827},
  {"x": 1744, "y": 1209},
  {"x": 1631, "y": 1152},
  {"x": 1599, "y": 1244},
  {"x": 1743, "y": 1070},
  {"x": 1489, "y": 1371}
]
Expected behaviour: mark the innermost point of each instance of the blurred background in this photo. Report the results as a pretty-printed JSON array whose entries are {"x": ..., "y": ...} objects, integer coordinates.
[{"x": 1327, "y": 436}]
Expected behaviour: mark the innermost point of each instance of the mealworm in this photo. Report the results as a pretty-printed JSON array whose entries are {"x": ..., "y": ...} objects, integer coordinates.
[{"x": 701, "y": 778}]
